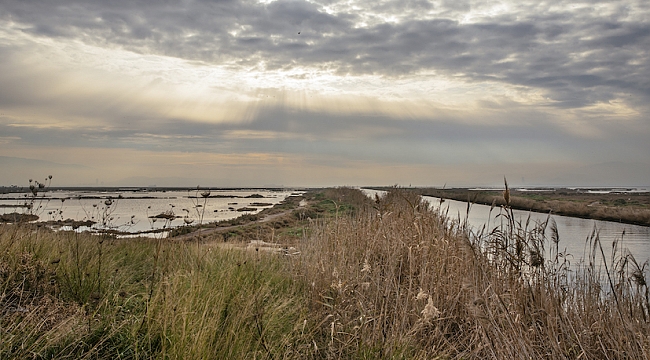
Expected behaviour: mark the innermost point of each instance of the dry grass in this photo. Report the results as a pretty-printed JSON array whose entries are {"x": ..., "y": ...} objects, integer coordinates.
[
  {"x": 403, "y": 281},
  {"x": 385, "y": 279}
]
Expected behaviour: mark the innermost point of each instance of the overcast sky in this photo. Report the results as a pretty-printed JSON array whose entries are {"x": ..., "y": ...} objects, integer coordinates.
[{"x": 325, "y": 92}]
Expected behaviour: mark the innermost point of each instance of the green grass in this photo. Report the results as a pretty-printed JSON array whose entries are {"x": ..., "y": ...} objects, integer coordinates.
[
  {"x": 535, "y": 197},
  {"x": 387, "y": 279},
  {"x": 148, "y": 299}
]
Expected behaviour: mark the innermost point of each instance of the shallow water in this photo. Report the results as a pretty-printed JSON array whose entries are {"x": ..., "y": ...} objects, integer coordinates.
[{"x": 130, "y": 211}]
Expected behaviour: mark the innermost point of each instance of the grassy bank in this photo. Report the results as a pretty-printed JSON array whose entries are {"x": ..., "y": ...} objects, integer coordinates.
[
  {"x": 374, "y": 279},
  {"x": 629, "y": 208},
  {"x": 403, "y": 281},
  {"x": 67, "y": 295}
]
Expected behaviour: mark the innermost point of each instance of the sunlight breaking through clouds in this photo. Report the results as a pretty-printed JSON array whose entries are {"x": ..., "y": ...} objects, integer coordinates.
[{"x": 423, "y": 84}]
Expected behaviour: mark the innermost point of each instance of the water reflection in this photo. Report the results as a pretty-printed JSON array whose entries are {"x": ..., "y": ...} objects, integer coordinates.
[
  {"x": 573, "y": 232},
  {"x": 131, "y": 211}
]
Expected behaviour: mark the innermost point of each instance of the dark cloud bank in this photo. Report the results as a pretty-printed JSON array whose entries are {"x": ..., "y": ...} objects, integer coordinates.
[{"x": 577, "y": 57}]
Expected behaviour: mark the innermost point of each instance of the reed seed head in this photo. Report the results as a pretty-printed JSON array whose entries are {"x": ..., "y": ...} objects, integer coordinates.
[
  {"x": 366, "y": 266},
  {"x": 639, "y": 278},
  {"x": 430, "y": 312}
]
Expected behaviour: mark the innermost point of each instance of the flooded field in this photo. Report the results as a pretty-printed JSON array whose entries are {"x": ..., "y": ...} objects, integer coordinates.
[{"x": 136, "y": 211}]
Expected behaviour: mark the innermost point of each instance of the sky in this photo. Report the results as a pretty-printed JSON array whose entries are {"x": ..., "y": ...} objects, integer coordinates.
[{"x": 325, "y": 93}]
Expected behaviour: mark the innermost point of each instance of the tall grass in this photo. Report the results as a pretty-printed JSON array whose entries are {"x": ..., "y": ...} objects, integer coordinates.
[
  {"x": 403, "y": 281},
  {"x": 391, "y": 278},
  {"x": 227, "y": 304}
]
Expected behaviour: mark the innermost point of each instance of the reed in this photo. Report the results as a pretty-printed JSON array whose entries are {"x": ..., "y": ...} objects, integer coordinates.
[
  {"x": 403, "y": 281},
  {"x": 390, "y": 278}
]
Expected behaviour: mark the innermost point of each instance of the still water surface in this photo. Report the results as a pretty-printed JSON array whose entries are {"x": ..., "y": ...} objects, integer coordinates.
[
  {"x": 573, "y": 232},
  {"x": 130, "y": 211}
]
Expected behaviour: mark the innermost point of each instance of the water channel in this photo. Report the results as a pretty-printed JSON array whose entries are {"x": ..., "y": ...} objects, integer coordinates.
[{"x": 573, "y": 232}]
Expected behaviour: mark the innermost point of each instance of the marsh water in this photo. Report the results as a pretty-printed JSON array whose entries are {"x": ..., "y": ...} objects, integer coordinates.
[
  {"x": 134, "y": 211},
  {"x": 573, "y": 232}
]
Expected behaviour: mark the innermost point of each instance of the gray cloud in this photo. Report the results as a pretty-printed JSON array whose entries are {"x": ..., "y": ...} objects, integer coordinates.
[
  {"x": 577, "y": 57},
  {"x": 577, "y": 84},
  {"x": 376, "y": 138}
]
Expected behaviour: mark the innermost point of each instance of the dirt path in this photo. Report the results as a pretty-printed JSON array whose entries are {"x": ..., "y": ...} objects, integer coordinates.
[{"x": 218, "y": 230}]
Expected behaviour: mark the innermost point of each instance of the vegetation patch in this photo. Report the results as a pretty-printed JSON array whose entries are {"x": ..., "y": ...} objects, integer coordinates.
[
  {"x": 388, "y": 278},
  {"x": 17, "y": 217}
]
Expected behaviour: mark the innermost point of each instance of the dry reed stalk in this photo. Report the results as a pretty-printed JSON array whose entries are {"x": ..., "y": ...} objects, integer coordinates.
[{"x": 377, "y": 277}]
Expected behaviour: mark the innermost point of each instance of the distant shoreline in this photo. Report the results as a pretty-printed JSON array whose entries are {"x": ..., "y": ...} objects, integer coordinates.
[
  {"x": 623, "y": 207},
  {"x": 25, "y": 189}
]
